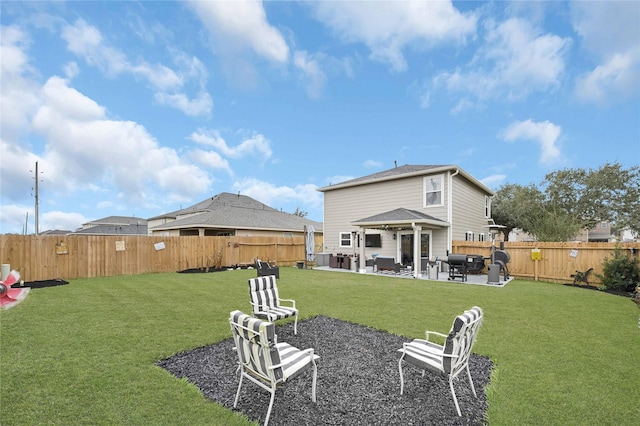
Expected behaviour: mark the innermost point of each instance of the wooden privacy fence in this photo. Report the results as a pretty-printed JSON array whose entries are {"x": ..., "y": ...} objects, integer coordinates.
[
  {"x": 73, "y": 256},
  {"x": 557, "y": 260}
]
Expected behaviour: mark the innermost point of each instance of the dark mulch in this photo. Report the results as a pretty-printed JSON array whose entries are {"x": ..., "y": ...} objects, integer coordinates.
[
  {"x": 43, "y": 283},
  {"x": 358, "y": 381},
  {"x": 622, "y": 293}
]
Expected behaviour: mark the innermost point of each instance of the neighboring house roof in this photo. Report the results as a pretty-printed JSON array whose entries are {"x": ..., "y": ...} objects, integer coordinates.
[
  {"x": 399, "y": 217},
  {"x": 56, "y": 232},
  {"x": 117, "y": 220},
  {"x": 235, "y": 211},
  {"x": 114, "y": 225},
  {"x": 405, "y": 171},
  {"x": 114, "y": 230}
]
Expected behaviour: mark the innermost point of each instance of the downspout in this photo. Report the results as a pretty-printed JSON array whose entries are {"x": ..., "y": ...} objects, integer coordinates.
[{"x": 450, "y": 210}]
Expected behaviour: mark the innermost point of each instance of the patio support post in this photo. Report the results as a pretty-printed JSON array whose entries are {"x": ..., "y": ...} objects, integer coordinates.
[
  {"x": 363, "y": 264},
  {"x": 417, "y": 255}
]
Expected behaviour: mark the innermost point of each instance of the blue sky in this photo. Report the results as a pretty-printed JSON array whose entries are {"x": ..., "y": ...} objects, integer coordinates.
[{"x": 141, "y": 108}]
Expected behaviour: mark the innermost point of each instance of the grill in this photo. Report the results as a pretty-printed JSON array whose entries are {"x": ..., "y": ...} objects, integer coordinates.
[
  {"x": 501, "y": 257},
  {"x": 475, "y": 263},
  {"x": 458, "y": 264}
]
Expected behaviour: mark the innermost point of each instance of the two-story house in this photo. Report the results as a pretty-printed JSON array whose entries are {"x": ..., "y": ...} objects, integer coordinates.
[{"x": 409, "y": 212}]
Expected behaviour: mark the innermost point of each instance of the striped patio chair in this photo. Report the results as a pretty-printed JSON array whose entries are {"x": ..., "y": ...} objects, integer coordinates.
[
  {"x": 452, "y": 358},
  {"x": 266, "y": 302},
  {"x": 263, "y": 360}
]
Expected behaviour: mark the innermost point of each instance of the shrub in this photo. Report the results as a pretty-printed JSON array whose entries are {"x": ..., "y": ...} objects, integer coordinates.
[{"x": 620, "y": 272}]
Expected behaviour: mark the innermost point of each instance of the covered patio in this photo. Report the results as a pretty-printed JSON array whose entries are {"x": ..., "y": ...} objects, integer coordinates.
[{"x": 475, "y": 279}]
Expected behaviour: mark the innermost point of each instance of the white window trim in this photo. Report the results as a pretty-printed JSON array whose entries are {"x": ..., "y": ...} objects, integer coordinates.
[
  {"x": 350, "y": 239},
  {"x": 487, "y": 206},
  {"x": 424, "y": 191}
]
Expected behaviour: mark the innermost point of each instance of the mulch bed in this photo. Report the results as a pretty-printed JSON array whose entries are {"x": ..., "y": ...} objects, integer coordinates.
[
  {"x": 358, "y": 381},
  {"x": 43, "y": 283},
  {"x": 609, "y": 291}
]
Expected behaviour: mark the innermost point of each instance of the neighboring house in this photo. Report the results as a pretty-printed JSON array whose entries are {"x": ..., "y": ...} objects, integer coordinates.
[
  {"x": 602, "y": 233},
  {"x": 230, "y": 215},
  {"x": 627, "y": 235},
  {"x": 114, "y": 225},
  {"x": 408, "y": 212}
]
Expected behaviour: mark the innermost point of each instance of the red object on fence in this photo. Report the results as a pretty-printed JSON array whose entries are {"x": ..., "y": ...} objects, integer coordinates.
[{"x": 10, "y": 297}]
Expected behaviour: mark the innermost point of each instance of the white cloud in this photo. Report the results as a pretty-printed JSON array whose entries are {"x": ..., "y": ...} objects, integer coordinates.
[
  {"x": 210, "y": 159},
  {"x": 256, "y": 145},
  {"x": 616, "y": 47},
  {"x": 85, "y": 150},
  {"x": 309, "y": 66},
  {"x": 493, "y": 181},
  {"x": 545, "y": 133},
  {"x": 18, "y": 92},
  {"x": 241, "y": 25},
  {"x": 372, "y": 164},
  {"x": 61, "y": 220},
  {"x": 388, "y": 28},
  {"x": 200, "y": 105},
  {"x": 87, "y": 42},
  {"x": 14, "y": 218},
  {"x": 515, "y": 60},
  {"x": 276, "y": 196},
  {"x": 15, "y": 176}
]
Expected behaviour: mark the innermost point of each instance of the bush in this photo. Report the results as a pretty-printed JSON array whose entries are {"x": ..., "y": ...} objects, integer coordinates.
[{"x": 620, "y": 272}]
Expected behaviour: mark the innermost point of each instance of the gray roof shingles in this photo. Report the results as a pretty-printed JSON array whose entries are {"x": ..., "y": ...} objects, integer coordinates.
[{"x": 227, "y": 210}]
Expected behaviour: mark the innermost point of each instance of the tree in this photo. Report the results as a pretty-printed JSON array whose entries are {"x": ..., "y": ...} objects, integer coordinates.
[
  {"x": 610, "y": 193},
  {"x": 511, "y": 205},
  {"x": 571, "y": 200},
  {"x": 300, "y": 213}
]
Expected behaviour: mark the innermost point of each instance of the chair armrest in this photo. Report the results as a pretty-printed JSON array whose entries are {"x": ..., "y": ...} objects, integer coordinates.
[
  {"x": 306, "y": 351},
  {"x": 436, "y": 333},
  {"x": 288, "y": 300}
]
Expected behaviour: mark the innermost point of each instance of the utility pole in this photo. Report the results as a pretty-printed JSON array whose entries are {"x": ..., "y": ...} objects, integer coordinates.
[
  {"x": 37, "y": 215},
  {"x": 36, "y": 197}
]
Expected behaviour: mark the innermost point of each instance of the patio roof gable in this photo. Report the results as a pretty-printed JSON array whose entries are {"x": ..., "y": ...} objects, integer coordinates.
[{"x": 399, "y": 218}]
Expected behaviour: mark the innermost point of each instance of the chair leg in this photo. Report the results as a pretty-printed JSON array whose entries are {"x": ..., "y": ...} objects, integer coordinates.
[
  {"x": 235, "y": 403},
  {"x": 455, "y": 399},
  {"x": 313, "y": 382},
  {"x": 401, "y": 377},
  {"x": 473, "y": 388},
  {"x": 273, "y": 395},
  {"x": 295, "y": 325}
]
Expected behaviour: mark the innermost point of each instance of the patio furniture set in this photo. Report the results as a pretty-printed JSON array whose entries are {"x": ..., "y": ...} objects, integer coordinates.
[{"x": 268, "y": 363}]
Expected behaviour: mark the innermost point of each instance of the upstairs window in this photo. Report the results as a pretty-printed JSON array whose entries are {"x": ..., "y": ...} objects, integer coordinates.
[
  {"x": 487, "y": 206},
  {"x": 433, "y": 191}
]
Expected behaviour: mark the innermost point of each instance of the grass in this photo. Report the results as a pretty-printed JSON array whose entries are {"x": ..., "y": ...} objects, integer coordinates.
[{"x": 84, "y": 353}]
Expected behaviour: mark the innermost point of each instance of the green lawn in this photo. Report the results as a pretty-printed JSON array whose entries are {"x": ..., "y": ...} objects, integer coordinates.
[{"x": 84, "y": 353}]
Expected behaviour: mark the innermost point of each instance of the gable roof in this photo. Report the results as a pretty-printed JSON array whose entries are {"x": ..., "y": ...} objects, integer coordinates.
[
  {"x": 224, "y": 199},
  {"x": 399, "y": 218},
  {"x": 235, "y": 211},
  {"x": 118, "y": 220},
  {"x": 132, "y": 229},
  {"x": 405, "y": 171}
]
